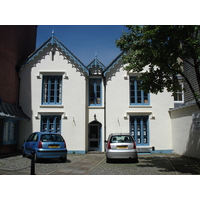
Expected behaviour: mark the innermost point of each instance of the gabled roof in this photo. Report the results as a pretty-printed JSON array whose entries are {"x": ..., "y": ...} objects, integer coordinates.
[
  {"x": 53, "y": 40},
  {"x": 96, "y": 64},
  {"x": 112, "y": 64}
]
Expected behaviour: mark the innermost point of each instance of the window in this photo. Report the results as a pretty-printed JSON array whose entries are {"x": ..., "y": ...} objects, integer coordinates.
[
  {"x": 121, "y": 139},
  {"x": 9, "y": 132},
  {"x": 137, "y": 96},
  {"x": 95, "y": 92},
  {"x": 33, "y": 137},
  {"x": 139, "y": 129},
  {"x": 52, "y": 90},
  {"x": 178, "y": 96},
  {"x": 52, "y": 138},
  {"x": 51, "y": 124}
]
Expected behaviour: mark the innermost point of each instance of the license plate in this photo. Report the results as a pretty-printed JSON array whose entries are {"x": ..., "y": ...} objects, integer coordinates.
[
  {"x": 54, "y": 146},
  {"x": 122, "y": 147}
]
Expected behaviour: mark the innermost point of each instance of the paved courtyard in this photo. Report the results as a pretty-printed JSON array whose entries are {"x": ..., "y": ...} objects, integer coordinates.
[{"x": 95, "y": 164}]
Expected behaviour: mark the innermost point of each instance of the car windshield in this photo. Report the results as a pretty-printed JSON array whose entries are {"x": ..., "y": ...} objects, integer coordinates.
[
  {"x": 51, "y": 138},
  {"x": 121, "y": 139}
]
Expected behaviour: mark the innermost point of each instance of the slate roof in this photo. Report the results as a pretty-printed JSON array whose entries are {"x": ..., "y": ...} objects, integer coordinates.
[{"x": 12, "y": 111}]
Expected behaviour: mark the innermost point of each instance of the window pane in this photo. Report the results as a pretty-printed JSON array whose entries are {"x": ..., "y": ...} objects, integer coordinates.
[
  {"x": 137, "y": 96},
  {"x": 51, "y": 124},
  {"x": 95, "y": 91},
  {"x": 139, "y": 129},
  {"x": 92, "y": 94},
  {"x": 52, "y": 89}
]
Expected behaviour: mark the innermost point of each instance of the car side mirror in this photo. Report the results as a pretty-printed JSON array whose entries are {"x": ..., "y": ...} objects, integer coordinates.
[
  {"x": 25, "y": 140},
  {"x": 105, "y": 141}
]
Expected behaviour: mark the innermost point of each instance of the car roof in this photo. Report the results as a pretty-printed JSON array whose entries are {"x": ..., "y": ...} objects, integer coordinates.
[
  {"x": 112, "y": 134},
  {"x": 46, "y": 133}
]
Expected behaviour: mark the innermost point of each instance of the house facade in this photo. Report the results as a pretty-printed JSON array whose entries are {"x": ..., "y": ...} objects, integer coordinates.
[{"x": 87, "y": 103}]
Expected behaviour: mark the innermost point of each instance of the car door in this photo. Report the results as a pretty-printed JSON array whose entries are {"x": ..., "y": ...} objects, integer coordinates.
[{"x": 31, "y": 143}]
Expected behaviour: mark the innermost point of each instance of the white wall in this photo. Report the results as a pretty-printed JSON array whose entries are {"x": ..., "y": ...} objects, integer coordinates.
[
  {"x": 185, "y": 142},
  {"x": 72, "y": 110},
  {"x": 118, "y": 110}
]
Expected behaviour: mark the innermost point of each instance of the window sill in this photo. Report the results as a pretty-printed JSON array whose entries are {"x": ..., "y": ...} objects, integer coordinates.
[
  {"x": 96, "y": 107},
  {"x": 52, "y": 106},
  {"x": 140, "y": 106}
]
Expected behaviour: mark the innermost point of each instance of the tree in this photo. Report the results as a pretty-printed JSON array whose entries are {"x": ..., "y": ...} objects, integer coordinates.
[{"x": 166, "y": 50}]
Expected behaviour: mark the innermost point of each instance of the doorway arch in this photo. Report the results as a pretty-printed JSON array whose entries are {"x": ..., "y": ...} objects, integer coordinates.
[{"x": 94, "y": 136}]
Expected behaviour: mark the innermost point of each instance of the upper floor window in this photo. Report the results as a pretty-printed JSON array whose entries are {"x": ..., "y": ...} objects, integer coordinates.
[
  {"x": 95, "y": 92},
  {"x": 178, "y": 95},
  {"x": 52, "y": 90},
  {"x": 137, "y": 96}
]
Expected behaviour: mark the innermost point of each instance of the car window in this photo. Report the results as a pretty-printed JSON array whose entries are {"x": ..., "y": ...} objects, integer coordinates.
[
  {"x": 51, "y": 138},
  {"x": 121, "y": 139},
  {"x": 33, "y": 137}
]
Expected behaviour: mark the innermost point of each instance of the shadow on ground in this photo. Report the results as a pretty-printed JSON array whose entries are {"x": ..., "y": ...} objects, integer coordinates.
[{"x": 171, "y": 163}]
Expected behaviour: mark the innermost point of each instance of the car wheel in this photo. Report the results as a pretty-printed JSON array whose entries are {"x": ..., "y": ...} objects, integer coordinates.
[
  {"x": 23, "y": 153},
  {"x": 107, "y": 160},
  {"x": 36, "y": 159},
  {"x": 63, "y": 159},
  {"x": 135, "y": 160}
]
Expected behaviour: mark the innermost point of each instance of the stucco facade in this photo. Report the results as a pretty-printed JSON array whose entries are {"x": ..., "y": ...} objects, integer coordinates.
[{"x": 87, "y": 103}]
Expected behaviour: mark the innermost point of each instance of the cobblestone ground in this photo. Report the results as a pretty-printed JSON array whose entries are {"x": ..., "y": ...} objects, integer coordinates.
[
  {"x": 18, "y": 165},
  {"x": 155, "y": 164},
  {"x": 77, "y": 164}
]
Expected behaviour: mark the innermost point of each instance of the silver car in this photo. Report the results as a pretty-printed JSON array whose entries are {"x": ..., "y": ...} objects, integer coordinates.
[{"x": 121, "y": 146}]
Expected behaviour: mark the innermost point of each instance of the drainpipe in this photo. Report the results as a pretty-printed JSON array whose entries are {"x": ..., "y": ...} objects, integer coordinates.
[
  {"x": 86, "y": 114},
  {"x": 104, "y": 82}
]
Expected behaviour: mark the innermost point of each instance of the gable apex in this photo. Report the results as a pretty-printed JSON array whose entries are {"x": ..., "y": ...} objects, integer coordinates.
[
  {"x": 96, "y": 64},
  {"x": 51, "y": 41}
]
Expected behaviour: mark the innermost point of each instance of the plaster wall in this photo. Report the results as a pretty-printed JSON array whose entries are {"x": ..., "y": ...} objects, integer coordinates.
[
  {"x": 185, "y": 141},
  {"x": 72, "y": 109},
  {"x": 119, "y": 110}
]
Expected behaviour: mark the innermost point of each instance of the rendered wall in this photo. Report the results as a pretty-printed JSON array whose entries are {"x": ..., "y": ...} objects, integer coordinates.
[
  {"x": 119, "y": 110},
  {"x": 72, "y": 110},
  {"x": 185, "y": 141}
]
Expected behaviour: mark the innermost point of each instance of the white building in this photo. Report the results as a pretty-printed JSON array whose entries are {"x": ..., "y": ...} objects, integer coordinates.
[{"x": 87, "y": 103}]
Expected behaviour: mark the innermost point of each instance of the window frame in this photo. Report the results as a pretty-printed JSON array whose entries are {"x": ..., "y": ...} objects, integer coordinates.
[
  {"x": 48, "y": 123},
  {"x": 95, "y": 92},
  {"x": 134, "y": 130},
  {"x": 180, "y": 92},
  {"x": 9, "y": 132},
  {"x": 57, "y": 90},
  {"x": 135, "y": 91}
]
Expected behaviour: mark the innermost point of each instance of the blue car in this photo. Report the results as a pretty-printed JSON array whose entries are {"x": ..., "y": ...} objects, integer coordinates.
[{"x": 45, "y": 145}]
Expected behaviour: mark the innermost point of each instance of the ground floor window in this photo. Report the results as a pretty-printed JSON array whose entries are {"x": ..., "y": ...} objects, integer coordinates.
[
  {"x": 139, "y": 128},
  {"x": 51, "y": 124},
  {"x": 9, "y": 132}
]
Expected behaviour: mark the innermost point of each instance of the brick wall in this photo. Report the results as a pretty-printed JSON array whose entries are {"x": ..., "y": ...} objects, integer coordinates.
[{"x": 16, "y": 43}]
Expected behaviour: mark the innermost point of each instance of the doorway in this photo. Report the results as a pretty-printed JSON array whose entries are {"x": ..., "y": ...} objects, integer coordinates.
[{"x": 94, "y": 136}]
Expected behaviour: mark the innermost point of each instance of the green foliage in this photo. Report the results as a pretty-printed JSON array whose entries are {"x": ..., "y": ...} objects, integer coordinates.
[{"x": 164, "y": 49}]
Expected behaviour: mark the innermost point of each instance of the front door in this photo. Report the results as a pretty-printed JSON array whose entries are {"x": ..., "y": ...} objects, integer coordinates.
[{"x": 94, "y": 137}]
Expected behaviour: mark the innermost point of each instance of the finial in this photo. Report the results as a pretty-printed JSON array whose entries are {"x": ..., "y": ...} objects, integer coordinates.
[
  {"x": 52, "y": 36},
  {"x": 95, "y": 54}
]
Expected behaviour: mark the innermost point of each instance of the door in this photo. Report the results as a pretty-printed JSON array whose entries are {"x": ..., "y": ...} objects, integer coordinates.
[
  {"x": 31, "y": 143},
  {"x": 94, "y": 137}
]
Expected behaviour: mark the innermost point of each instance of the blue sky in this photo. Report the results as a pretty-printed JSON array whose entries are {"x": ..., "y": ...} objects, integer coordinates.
[{"x": 85, "y": 40}]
